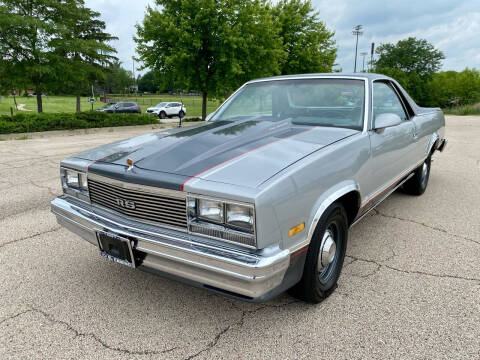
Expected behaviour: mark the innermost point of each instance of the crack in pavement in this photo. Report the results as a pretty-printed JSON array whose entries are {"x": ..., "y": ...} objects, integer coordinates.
[
  {"x": 14, "y": 316},
  {"x": 49, "y": 189},
  {"x": 34, "y": 159},
  {"x": 377, "y": 212},
  {"x": 238, "y": 323},
  {"x": 30, "y": 236},
  {"x": 414, "y": 272},
  {"x": 95, "y": 337},
  {"x": 24, "y": 212}
]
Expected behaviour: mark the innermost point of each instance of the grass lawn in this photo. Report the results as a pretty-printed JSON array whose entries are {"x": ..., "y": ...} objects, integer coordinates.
[
  {"x": 464, "y": 110},
  {"x": 54, "y": 104}
]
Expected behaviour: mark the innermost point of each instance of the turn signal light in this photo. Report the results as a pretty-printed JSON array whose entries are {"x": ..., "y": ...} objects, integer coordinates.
[{"x": 296, "y": 229}]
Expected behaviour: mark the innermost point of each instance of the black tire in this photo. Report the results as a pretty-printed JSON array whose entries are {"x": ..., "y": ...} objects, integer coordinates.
[
  {"x": 417, "y": 184},
  {"x": 181, "y": 114},
  {"x": 162, "y": 115},
  {"x": 316, "y": 285}
]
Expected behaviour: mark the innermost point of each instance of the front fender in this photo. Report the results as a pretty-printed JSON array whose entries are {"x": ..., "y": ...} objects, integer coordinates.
[{"x": 323, "y": 202}]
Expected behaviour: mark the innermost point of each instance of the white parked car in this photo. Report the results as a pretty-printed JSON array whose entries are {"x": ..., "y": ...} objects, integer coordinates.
[{"x": 168, "y": 109}]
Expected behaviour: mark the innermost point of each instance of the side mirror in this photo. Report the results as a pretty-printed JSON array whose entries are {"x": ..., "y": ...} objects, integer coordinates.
[
  {"x": 386, "y": 120},
  {"x": 209, "y": 116}
]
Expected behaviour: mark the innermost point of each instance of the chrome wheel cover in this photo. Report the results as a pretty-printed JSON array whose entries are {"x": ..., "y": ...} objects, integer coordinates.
[{"x": 327, "y": 252}]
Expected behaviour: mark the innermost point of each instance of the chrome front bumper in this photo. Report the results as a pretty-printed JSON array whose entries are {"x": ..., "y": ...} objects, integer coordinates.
[{"x": 181, "y": 255}]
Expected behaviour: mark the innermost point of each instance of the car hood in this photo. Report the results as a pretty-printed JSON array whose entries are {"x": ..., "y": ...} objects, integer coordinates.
[{"x": 245, "y": 153}]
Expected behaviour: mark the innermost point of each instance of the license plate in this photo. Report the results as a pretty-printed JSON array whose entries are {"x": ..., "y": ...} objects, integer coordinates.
[{"x": 116, "y": 248}]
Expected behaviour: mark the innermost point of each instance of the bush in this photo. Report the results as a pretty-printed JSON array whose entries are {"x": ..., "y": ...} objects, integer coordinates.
[
  {"x": 464, "y": 110},
  {"x": 20, "y": 123}
]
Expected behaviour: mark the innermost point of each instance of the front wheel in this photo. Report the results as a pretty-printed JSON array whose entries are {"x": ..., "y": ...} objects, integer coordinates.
[
  {"x": 417, "y": 184},
  {"x": 162, "y": 115},
  {"x": 325, "y": 256}
]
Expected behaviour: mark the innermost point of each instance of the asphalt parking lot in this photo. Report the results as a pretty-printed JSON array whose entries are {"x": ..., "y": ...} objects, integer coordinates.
[{"x": 410, "y": 287}]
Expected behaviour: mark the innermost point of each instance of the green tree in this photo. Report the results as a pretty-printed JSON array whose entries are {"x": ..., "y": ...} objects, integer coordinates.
[
  {"x": 87, "y": 52},
  {"x": 117, "y": 79},
  {"x": 412, "y": 62},
  {"x": 148, "y": 82},
  {"x": 308, "y": 44},
  {"x": 450, "y": 88},
  {"x": 49, "y": 42},
  {"x": 209, "y": 45}
]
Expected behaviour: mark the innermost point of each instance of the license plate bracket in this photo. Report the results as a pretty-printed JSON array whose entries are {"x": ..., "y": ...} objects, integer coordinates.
[{"x": 116, "y": 248}]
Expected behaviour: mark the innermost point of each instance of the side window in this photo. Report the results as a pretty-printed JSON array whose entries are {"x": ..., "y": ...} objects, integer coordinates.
[{"x": 385, "y": 100}]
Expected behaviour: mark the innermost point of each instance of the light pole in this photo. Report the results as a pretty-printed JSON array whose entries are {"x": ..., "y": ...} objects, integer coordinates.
[
  {"x": 372, "y": 50},
  {"x": 133, "y": 72},
  {"x": 363, "y": 54},
  {"x": 357, "y": 32}
]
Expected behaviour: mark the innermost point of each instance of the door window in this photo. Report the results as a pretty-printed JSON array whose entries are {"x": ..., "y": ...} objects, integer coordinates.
[{"x": 385, "y": 100}]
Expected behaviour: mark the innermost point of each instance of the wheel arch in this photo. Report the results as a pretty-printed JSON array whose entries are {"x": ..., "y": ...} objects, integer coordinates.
[
  {"x": 433, "y": 144},
  {"x": 348, "y": 193}
]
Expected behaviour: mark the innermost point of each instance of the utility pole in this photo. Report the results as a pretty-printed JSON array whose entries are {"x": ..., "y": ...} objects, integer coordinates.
[
  {"x": 371, "y": 56},
  {"x": 356, "y": 32},
  {"x": 363, "y": 54},
  {"x": 133, "y": 72}
]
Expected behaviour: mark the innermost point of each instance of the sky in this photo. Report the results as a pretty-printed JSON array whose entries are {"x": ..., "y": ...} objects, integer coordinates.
[{"x": 452, "y": 26}]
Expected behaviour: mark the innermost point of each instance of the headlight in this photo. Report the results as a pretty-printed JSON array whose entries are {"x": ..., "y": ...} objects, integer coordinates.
[
  {"x": 71, "y": 179},
  {"x": 230, "y": 222},
  {"x": 74, "y": 183},
  {"x": 240, "y": 216},
  {"x": 211, "y": 210}
]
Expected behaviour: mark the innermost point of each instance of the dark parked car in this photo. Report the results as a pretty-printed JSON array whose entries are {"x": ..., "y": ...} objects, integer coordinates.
[
  {"x": 106, "y": 106},
  {"x": 124, "y": 107}
]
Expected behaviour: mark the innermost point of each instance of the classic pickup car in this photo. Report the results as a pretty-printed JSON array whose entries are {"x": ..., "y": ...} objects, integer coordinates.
[{"x": 259, "y": 199}]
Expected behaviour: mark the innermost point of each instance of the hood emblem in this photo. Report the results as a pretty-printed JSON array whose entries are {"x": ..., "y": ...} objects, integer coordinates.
[{"x": 130, "y": 164}]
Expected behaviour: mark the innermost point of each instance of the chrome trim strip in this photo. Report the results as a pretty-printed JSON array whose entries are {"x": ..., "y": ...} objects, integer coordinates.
[
  {"x": 388, "y": 193},
  {"x": 398, "y": 178},
  {"x": 136, "y": 187}
]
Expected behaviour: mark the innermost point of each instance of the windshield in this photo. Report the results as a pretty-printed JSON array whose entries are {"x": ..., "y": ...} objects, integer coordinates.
[
  {"x": 160, "y": 105},
  {"x": 320, "y": 102}
]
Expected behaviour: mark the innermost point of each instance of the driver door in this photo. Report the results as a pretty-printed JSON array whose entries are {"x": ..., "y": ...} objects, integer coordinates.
[{"x": 391, "y": 148}]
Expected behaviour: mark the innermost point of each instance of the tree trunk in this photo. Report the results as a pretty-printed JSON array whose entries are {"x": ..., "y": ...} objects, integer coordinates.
[
  {"x": 39, "y": 101},
  {"x": 78, "y": 103},
  {"x": 15, "y": 99},
  {"x": 204, "y": 106}
]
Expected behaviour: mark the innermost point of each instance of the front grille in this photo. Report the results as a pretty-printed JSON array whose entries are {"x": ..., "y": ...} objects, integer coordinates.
[
  {"x": 150, "y": 206},
  {"x": 243, "y": 239}
]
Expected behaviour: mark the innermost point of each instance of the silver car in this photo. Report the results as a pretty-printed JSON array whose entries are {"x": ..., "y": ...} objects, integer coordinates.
[{"x": 260, "y": 198}]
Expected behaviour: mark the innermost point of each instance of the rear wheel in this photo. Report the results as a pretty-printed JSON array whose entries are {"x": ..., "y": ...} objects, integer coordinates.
[
  {"x": 325, "y": 256},
  {"x": 417, "y": 184},
  {"x": 181, "y": 114}
]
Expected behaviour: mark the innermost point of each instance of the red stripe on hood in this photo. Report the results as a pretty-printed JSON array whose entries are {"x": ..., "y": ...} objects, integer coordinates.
[{"x": 246, "y": 152}]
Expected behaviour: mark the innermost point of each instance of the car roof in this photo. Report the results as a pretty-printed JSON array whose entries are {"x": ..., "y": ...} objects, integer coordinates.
[{"x": 346, "y": 75}]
